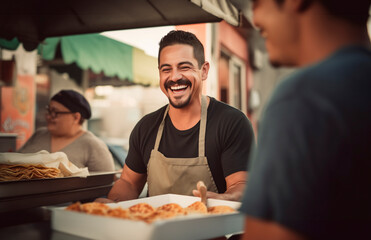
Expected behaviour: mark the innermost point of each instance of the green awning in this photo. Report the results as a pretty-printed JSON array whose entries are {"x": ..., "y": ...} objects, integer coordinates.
[
  {"x": 9, "y": 44},
  {"x": 93, "y": 51}
]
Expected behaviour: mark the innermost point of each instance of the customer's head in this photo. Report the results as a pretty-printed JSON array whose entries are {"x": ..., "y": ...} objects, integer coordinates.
[
  {"x": 352, "y": 11},
  {"x": 69, "y": 103},
  {"x": 183, "y": 37},
  {"x": 356, "y": 11},
  {"x": 303, "y": 32}
]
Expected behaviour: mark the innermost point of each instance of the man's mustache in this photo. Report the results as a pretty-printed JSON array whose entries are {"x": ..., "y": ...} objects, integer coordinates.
[{"x": 168, "y": 84}]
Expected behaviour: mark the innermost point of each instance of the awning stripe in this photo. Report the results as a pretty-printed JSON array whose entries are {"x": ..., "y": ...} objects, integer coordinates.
[
  {"x": 9, "y": 44},
  {"x": 93, "y": 51}
]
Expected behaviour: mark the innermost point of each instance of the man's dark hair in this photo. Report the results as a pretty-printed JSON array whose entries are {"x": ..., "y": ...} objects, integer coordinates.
[
  {"x": 183, "y": 37},
  {"x": 356, "y": 11}
]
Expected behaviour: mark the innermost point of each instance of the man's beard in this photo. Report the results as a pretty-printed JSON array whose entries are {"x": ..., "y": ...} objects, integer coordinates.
[
  {"x": 168, "y": 85},
  {"x": 181, "y": 104}
]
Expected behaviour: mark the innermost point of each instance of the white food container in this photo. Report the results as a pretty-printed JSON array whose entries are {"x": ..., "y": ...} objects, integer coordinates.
[{"x": 200, "y": 226}]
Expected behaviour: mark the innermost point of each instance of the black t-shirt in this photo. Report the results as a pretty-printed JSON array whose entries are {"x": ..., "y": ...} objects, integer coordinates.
[{"x": 228, "y": 140}]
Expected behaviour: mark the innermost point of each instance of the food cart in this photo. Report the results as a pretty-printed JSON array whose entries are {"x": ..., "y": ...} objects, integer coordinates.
[{"x": 25, "y": 205}]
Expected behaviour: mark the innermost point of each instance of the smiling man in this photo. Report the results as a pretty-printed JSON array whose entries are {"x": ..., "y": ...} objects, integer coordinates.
[{"x": 193, "y": 138}]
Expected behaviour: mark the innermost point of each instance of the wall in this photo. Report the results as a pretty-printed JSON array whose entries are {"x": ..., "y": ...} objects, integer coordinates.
[
  {"x": 235, "y": 44},
  {"x": 17, "y": 102},
  {"x": 18, "y": 109},
  {"x": 233, "y": 41}
]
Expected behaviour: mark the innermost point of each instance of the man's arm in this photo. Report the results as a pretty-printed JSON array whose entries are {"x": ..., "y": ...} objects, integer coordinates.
[
  {"x": 236, "y": 183},
  {"x": 127, "y": 187},
  {"x": 256, "y": 229}
]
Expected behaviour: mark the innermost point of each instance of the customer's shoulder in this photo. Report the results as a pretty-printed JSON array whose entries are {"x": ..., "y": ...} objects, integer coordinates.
[
  {"x": 342, "y": 68},
  {"x": 349, "y": 59}
]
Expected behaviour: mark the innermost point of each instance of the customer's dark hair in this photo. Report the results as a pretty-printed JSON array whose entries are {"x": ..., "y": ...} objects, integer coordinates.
[
  {"x": 183, "y": 37},
  {"x": 356, "y": 11}
]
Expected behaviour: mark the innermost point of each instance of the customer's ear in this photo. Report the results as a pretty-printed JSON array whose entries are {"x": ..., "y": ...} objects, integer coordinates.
[{"x": 299, "y": 5}]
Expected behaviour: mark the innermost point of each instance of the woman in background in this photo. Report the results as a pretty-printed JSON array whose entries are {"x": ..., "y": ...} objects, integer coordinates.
[{"x": 66, "y": 112}]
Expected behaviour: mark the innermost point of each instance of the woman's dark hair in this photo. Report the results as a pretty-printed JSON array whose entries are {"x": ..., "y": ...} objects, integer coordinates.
[{"x": 183, "y": 37}]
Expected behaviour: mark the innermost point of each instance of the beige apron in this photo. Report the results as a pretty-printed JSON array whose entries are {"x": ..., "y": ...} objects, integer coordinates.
[{"x": 179, "y": 175}]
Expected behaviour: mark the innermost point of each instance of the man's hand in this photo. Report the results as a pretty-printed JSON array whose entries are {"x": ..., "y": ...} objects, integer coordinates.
[
  {"x": 236, "y": 183},
  {"x": 209, "y": 194}
]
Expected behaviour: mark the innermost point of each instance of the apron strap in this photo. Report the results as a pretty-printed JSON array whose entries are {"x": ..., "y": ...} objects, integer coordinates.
[
  {"x": 160, "y": 130},
  {"x": 201, "y": 138}
]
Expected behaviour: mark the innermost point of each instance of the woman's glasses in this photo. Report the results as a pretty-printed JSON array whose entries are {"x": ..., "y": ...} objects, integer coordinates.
[{"x": 54, "y": 114}]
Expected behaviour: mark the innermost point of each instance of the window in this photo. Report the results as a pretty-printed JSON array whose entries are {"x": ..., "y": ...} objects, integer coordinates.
[{"x": 232, "y": 81}]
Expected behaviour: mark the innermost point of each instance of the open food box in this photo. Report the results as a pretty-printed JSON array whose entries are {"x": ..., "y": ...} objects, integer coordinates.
[{"x": 194, "y": 226}]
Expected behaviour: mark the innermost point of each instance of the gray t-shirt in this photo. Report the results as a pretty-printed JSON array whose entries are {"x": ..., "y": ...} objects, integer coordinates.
[
  {"x": 311, "y": 171},
  {"x": 86, "y": 151}
]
